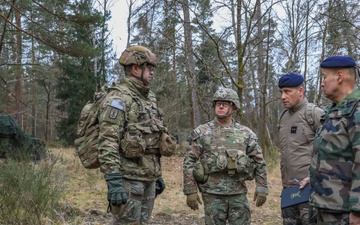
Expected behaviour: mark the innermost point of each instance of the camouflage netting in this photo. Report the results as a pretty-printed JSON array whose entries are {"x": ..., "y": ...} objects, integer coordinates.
[{"x": 14, "y": 143}]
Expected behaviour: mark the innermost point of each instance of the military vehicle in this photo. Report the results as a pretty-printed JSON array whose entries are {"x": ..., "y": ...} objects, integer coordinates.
[{"x": 15, "y": 144}]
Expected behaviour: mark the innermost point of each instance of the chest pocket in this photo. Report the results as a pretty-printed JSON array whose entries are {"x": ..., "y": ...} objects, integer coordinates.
[{"x": 225, "y": 150}]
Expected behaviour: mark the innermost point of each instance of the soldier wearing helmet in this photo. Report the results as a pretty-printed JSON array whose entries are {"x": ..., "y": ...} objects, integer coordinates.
[
  {"x": 142, "y": 58},
  {"x": 223, "y": 154},
  {"x": 226, "y": 96},
  {"x": 132, "y": 138}
]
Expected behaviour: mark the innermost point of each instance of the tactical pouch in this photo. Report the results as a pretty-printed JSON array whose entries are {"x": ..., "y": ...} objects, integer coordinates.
[
  {"x": 214, "y": 163},
  {"x": 133, "y": 144},
  {"x": 232, "y": 164},
  {"x": 167, "y": 145},
  {"x": 199, "y": 173},
  {"x": 239, "y": 162}
]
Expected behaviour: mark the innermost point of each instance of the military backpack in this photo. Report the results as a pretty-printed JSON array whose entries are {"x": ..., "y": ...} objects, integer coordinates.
[{"x": 88, "y": 130}]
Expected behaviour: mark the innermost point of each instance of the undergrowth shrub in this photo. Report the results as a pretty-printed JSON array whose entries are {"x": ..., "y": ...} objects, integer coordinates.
[
  {"x": 271, "y": 158},
  {"x": 28, "y": 192}
]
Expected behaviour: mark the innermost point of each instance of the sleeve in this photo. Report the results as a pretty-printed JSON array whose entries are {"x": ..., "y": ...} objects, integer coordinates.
[
  {"x": 254, "y": 152},
  {"x": 354, "y": 136},
  {"x": 191, "y": 156},
  {"x": 111, "y": 126}
]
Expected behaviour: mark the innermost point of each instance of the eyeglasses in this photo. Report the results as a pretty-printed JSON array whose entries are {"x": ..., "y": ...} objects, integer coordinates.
[
  {"x": 223, "y": 104},
  {"x": 150, "y": 67}
]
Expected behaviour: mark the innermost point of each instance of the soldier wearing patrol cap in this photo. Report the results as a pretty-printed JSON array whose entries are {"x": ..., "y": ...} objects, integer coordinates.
[
  {"x": 297, "y": 128},
  {"x": 335, "y": 166},
  {"x": 132, "y": 138},
  {"x": 223, "y": 155}
]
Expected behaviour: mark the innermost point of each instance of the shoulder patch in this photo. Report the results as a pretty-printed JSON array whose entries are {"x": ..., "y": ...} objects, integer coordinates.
[{"x": 117, "y": 104}]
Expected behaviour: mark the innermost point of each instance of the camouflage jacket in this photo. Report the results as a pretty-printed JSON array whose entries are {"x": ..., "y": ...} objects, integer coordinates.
[
  {"x": 210, "y": 140},
  {"x": 296, "y": 136},
  {"x": 335, "y": 166},
  {"x": 135, "y": 105}
]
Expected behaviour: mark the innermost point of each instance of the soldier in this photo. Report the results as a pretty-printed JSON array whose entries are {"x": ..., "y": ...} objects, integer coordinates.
[
  {"x": 222, "y": 156},
  {"x": 335, "y": 166},
  {"x": 297, "y": 128},
  {"x": 132, "y": 138}
]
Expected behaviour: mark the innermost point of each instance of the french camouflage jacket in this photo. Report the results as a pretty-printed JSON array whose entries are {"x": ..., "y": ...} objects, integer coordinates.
[
  {"x": 133, "y": 108},
  {"x": 210, "y": 141},
  {"x": 296, "y": 136},
  {"x": 335, "y": 166}
]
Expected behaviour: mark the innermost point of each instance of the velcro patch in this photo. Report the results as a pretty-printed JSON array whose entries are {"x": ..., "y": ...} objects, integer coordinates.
[
  {"x": 113, "y": 113},
  {"x": 117, "y": 104}
]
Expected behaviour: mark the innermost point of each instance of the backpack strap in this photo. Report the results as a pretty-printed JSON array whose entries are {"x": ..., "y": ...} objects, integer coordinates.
[{"x": 309, "y": 115}]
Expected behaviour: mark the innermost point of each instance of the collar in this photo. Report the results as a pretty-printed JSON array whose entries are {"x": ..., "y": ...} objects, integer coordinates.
[
  {"x": 299, "y": 106},
  {"x": 216, "y": 124},
  {"x": 136, "y": 87},
  {"x": 353, "y": 96}
]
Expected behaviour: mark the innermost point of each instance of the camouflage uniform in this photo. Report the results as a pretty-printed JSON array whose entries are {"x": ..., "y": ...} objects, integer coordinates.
[
  {"x": 224, "y": 192},
  {"x": 296, "y": 141},
  {"x": 130, "y": 112},
  {"x": 335, "y": 167}
]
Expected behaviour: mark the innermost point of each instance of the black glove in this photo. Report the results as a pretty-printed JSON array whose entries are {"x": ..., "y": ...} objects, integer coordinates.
[
  {"x": 116, "y": 191},
  {"x": 159, "y": 186}
]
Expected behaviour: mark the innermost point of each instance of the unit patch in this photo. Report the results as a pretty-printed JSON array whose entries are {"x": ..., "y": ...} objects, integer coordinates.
[
  {"x": 293, "y": 129},
  {"x": 113, "y": 113},
  {"x": 117, "y": 104}
]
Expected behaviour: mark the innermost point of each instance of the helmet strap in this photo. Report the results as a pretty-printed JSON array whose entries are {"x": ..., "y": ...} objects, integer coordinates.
[
  {"x": 145, "y": 83},
  {"x": 227, "y": 114}
]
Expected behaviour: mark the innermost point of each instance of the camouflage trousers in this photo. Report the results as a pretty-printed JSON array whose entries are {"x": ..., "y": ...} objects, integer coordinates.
[
  {"x": 331, "y": 217},
  {"x": 296, "y": 214},
  {"x": 234, "y": 209},
  {"x": 138, "y": 208}
]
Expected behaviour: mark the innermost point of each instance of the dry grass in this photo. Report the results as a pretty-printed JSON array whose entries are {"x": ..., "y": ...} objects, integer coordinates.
[{"x": 85, "y": 196}]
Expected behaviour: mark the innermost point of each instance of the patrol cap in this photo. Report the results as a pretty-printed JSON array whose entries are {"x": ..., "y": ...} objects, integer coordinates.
[
  {"x": 338, "y": 62},
  {"x": 291, "y": 80}
]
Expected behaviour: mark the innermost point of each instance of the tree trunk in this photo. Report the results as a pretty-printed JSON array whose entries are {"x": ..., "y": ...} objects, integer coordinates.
[
  {"x": 240, "y": 55},
  {"x": 18, "y": 75},
  {"x": 190, "y": 66}
]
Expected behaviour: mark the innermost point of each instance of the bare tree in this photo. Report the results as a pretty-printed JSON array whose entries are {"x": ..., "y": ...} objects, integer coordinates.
[{"x": 190, "y": 66}]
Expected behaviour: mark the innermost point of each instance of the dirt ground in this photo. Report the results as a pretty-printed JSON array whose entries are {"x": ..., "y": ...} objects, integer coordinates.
[{"x": 85, "y": 199}]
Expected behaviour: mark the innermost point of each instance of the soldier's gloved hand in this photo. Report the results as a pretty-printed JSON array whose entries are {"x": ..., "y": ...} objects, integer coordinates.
[
  {"x": 192, "y": 201},
  {"x": 260, "y": 198},
  {"x": 116, "y": 192},
  {"x": 160, "y": 186}
]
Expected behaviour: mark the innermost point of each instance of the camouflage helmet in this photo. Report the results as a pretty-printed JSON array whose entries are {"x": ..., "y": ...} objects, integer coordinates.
[
  {"x": 227, "y": 94},
  {"x": 137, "y": 55}
]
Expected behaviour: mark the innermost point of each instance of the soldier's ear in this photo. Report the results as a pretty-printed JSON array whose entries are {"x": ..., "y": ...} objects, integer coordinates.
[
  {"x": 136, "y": 69},
  {"x": 302, "y": 90},
  {"x": 340, "y": 75}
]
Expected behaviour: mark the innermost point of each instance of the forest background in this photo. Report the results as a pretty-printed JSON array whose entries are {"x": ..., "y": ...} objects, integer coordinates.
[{"x": 54, "y": 54}]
